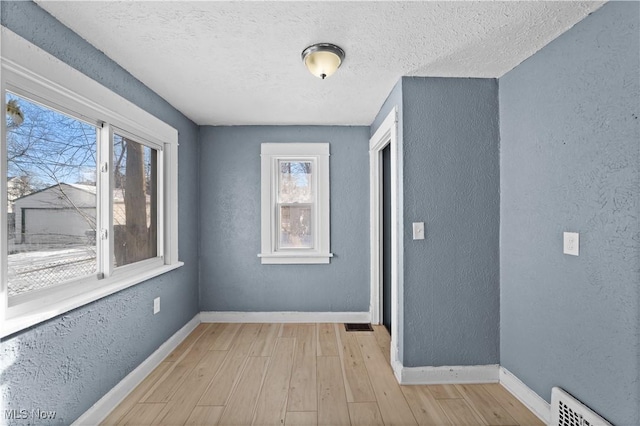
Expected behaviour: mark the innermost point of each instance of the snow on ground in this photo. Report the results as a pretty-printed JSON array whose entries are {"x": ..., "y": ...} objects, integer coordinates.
[{"x": 48, "y": 266}]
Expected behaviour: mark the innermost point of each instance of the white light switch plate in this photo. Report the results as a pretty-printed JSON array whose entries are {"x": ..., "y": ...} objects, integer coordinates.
[
  {"x": 156, "y": 305},
  {"x": 571, "y": 243},
  {"x": 418, "y": 230}
]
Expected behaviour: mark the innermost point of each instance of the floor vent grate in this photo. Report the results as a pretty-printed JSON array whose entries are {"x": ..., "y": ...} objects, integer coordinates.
[
  {"x": 358, "y": 327},
  {"x": 568, "y": 411}
]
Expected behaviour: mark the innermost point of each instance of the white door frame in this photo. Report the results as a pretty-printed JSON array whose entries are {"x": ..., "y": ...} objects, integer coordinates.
[{"x": 387, "y": 134}]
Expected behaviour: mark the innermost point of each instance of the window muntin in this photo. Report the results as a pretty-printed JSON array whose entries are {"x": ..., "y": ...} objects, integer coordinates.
[
  {"x": 295, "y": 203},
  {"x": 51, "y": 196}
]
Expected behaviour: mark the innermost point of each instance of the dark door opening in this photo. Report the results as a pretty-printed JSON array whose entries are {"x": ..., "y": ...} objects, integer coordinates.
[{"x": 386, "y": 237}]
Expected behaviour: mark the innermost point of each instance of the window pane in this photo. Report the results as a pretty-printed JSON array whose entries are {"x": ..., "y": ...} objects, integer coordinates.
[
  {"x": 51, "y": 194},
  {"x": 135, "y": 213},
  {"x": 295, "y": 226},
  {"x": 294, "y": 182}
]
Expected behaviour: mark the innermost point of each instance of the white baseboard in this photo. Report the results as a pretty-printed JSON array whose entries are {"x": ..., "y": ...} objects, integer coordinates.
[
  {"x": 282, "y": 317},
  {"x": 101, "y": 409},
  {"x": 524, "y": 394},
  {"x": 456, "y": 374}
]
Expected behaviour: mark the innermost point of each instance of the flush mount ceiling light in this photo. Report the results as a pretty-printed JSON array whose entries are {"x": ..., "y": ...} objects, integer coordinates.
[{"x": 322, "y": 59}]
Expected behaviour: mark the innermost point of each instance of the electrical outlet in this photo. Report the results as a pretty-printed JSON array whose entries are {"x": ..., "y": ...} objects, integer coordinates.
[
  {"x": 156, "y": 305},
  {"x": 571, "y": 243}
]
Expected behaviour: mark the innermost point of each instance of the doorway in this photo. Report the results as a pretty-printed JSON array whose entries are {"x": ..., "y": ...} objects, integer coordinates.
[
  {"x": 385, "y": 160},
  {"x": 386, "y": 237}
]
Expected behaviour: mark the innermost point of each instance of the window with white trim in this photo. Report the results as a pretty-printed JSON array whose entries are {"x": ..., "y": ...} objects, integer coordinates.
[
  {"x": 89, "y": 189},
  {"x": 295, "y": 203}
]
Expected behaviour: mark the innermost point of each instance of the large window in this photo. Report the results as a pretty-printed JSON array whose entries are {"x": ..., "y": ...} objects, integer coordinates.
[
  {"x": 51, "y": 196},
  {"x": 295, "y": 203},
  {"x": 89, "y": 190}
]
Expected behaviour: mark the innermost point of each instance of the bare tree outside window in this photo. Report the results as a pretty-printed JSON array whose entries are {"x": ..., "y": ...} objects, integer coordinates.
[{"x": 135, "y": 213}]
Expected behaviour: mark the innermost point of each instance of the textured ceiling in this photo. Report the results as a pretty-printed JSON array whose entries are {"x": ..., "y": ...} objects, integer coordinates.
[{"x": 231, "y": 63}]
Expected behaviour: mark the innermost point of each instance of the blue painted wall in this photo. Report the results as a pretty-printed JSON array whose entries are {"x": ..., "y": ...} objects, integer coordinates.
[
  {"x": 451, "y": 183},
  {"x": 394, "y": 99},
  {"x": 570, "y": 161},
  {"x": 231, "y": 275},
  {"x": 450, "y": 135},
  {"x": 69, "y": 362}
]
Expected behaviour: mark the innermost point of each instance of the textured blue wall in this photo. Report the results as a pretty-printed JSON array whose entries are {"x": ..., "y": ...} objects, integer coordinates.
[
  {"x": 449, "y": 132},
  {"x": 570, "y": 138},
  {"x": 451, "y": 183},
  {"x": 69, "y": 362},
  {"x": 394, "y": 99},
  {"x": 231, "y": 275}
]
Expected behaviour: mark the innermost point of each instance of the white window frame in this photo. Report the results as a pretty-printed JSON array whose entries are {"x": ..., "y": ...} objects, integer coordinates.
[
  {"x": 28, "y": 71},
  {"x": 271, "y": 154}
]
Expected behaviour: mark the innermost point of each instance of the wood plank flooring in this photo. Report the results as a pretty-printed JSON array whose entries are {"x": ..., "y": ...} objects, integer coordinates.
[{"x": 298, "y": 375}]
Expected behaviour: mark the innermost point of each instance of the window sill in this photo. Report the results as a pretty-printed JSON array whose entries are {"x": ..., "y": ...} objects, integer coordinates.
[
  {"x": 294, "y": 258},
  {"x": 29, "y": 313}
]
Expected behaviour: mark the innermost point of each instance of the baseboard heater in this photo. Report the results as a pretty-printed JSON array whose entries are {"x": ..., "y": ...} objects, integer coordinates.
[{"x": 568, "y": 411}]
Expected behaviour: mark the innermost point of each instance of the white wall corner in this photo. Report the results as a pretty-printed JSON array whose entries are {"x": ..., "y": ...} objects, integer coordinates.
[
  {"x": 397, "y": 368},
  {"x": 284, "y": 317},
  {"x": 101, "y": 409},
  {"x": 536, "y": 404},
  {"x": 453, "y": 374}
]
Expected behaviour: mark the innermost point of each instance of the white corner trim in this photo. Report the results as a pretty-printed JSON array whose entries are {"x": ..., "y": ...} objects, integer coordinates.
[
  {"x": 454, "y": 374},
  {"x": 284, "y": 317},
  {"x": 101, "y": 409},
  {"x": 397, "y": 368},
  {"x": 387, "y": 134},
  {"x": 524, "y": 394}
]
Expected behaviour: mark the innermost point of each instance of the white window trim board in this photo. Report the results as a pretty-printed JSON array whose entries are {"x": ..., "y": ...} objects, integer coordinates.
[
  {"x": 33, "y": 63},
  {"x": 291, "y": 259},
  {"x": 43, "y": 310},
  {"x": 270, "y": 154},
  {"x": 33, "y": 71}
]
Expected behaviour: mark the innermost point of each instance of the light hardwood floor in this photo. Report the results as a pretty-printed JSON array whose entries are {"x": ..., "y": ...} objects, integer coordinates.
[{"x": 301, "y": 374}]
